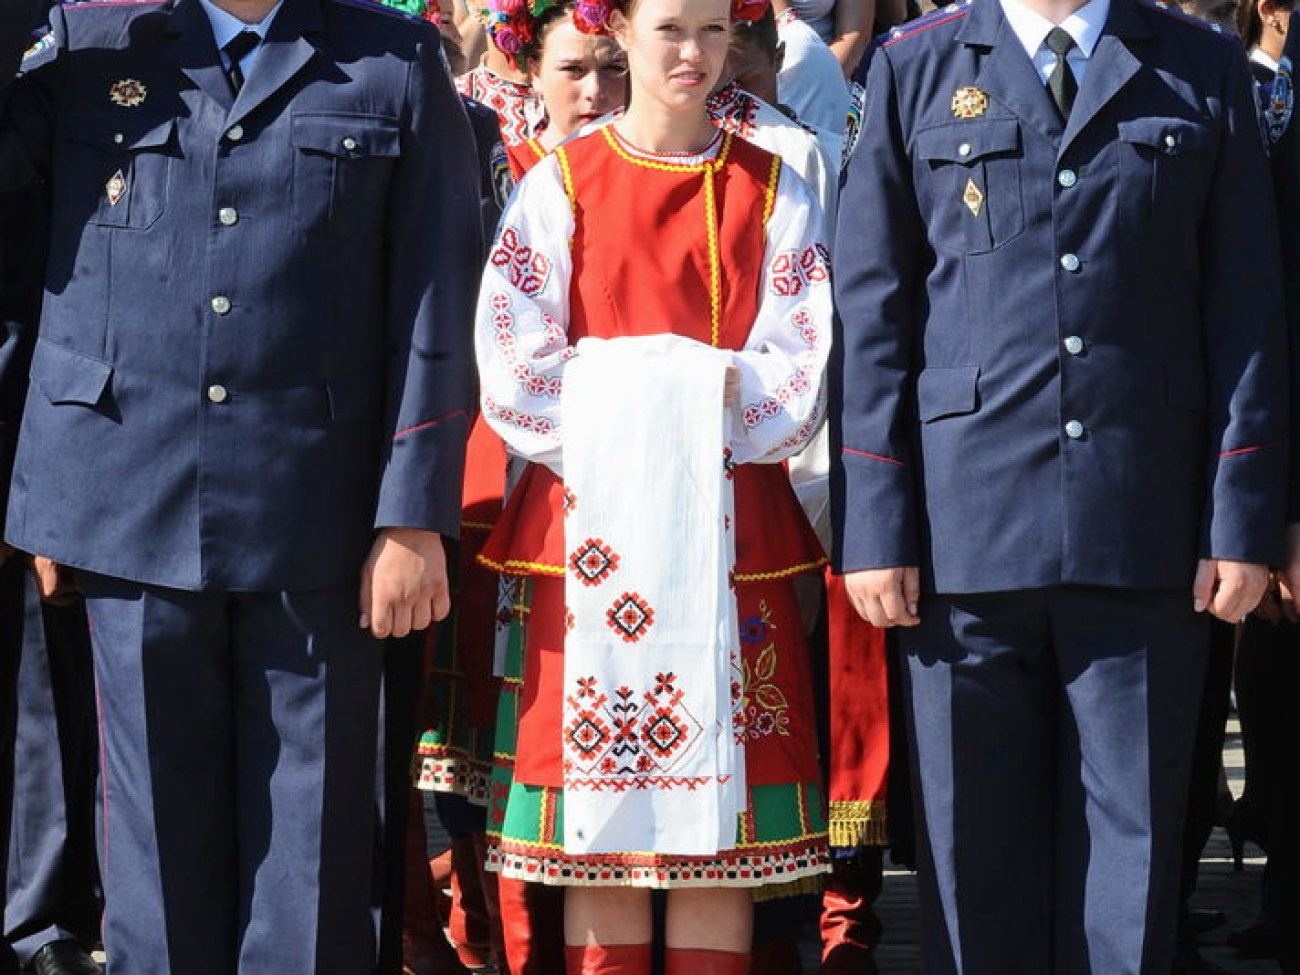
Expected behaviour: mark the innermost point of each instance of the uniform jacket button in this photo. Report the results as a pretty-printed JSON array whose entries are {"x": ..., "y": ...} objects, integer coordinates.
[
  {"x": 228, "y": 216},
  {"x": 1070, "y": 262},
  {"x": 1073, "y": 345},
  {"x": 1074, "y": 429},
  {"x": 221, "y": 304},
  {"x": 235, "y": 133},
  {"x": 1067, "y": 178},
  {"x": 218, "y": 393}
]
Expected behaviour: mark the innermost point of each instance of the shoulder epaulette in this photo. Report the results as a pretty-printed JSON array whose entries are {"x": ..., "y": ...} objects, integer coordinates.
[
  {"x": 381, "y": 8},
  {"x": 68, "y": 6},
  {"x": 1173, "y": 11},
  {"x": 935, "y": 18}
]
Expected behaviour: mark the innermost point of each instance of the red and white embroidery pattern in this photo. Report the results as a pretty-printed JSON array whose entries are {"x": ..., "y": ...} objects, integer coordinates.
[
  {"x": 525, "y": 268},
  {"x": 628, "y": 740},
  {"x": 733, "y": 110},
  {"x": 792, "y": 271},
  {"x": 514, "y": 103},
  {"x": 797, "y": 384},
  {"x": 630, "y": 617},
  {"x": 593, "y": 562}
]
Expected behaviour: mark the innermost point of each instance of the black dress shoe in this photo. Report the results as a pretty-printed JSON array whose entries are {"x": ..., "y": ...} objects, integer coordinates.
[
  {"x": 64, "y": 958},
  {"x": 1200, "y": 921},
  {"x": 1256, "y": 940}
]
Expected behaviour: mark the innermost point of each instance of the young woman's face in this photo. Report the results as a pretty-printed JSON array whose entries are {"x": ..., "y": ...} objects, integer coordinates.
[
  {"x": 676, "y": 49},
  {"x": 580, "y": 77}
]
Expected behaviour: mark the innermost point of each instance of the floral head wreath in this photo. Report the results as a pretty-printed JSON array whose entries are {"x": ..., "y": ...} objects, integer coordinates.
[{"x": 512, "y": 24}]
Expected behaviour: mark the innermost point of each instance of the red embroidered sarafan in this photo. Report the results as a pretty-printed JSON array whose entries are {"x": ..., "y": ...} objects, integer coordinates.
[{"x": 619, "y": 290}]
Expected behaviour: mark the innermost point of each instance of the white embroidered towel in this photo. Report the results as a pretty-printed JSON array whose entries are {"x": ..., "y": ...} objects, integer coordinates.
[{"x": 652, "y": 763}]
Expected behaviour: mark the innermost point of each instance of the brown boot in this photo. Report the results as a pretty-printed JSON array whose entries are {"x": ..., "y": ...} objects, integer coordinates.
[
  {"x": 608, "y": 960},
  {"x": 776, "y": 956},
  {"x": 704, "y": 961}
]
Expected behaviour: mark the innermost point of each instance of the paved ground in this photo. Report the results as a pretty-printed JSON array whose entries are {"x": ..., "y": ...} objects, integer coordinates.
[{"x": 1220, "y": 888}]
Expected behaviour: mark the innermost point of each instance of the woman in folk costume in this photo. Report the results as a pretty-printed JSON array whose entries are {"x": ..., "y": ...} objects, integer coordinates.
[
  {"x": 653, "y": 329},
  {"x": 578, "y": 73}
]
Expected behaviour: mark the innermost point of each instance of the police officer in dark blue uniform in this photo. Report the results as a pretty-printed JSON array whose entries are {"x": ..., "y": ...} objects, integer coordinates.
[
  {"x": 49, "y": 755},
  {"x": 1061, "y": 440},
  {"x": 245, "y": 431}
]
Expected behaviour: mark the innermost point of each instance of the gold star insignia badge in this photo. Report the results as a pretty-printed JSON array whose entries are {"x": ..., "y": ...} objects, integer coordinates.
[
  {"x": 969, "y": 102},
  {"x": 973, "y": 198},
  {"x": 128, "y": 92}
]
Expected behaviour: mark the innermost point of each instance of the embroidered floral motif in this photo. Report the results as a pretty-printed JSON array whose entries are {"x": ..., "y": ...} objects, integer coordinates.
[
  {"x": 630, "y": 617},
  {"x": 525, "y": 268},
  {"x": 593, "y": 562},
  {"x": 764, "y": 705},
  {"x": 733, "y": 110}
]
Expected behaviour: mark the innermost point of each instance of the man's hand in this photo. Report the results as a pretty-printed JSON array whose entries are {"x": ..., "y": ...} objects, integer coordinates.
[
  {"x": 404, "y": 583},
  {"x": 1288, "y": 580},
  {"x": 1228, "y": 589},
  {"x": 57, "y": 583},
  {"x": 886, "y": 597}
]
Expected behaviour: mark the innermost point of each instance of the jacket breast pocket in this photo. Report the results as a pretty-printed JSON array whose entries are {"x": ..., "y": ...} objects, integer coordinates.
[
  {"x": 1163, "y": 169},
  {"x": 974, "y": 168},
  {"x": 118, "y": 166},
  {"x": 341, "y": 165}
]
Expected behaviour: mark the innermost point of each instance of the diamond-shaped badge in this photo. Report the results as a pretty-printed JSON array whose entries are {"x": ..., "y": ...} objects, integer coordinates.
[
  {"x": 973, "y": 198},
  {"x": 115, "y": 188}
]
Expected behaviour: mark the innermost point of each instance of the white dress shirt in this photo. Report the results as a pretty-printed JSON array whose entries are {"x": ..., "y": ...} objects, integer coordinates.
[
  {"x": 1032, "y": 28},
  {"x": 226, "y": 25}
]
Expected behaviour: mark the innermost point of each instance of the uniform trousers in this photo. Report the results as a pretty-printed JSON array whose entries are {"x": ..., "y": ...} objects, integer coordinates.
[
  {"x": 51, "y": 880},
  {"x": 239, "y": 768},
  {"x": 1052, "y": 733}
]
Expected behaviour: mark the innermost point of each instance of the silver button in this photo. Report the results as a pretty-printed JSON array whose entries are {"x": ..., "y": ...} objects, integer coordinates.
[
  {"x": 228, "y": 216},
  {"x": 1074, "y": 429},
  {"x": 349, "y": 143},
  {"x": 1073, "y": 345},
  {"x": 963, "y": 149},
  {"x": 1067, "y": 178},
  {"x": 1170, "y": 141},
  {"x": 218, "y": 393},
  {"x": 119, "y": 138},
  {"x": 220, "y": 304},
  {"x": 236, "y": 133},
  {"x": 1070, "y": 262}
]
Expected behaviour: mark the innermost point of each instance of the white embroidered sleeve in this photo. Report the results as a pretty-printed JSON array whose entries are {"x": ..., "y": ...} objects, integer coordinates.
[
  {"x": 783, "y": 365},
  {"x": 521, "y": 328}
]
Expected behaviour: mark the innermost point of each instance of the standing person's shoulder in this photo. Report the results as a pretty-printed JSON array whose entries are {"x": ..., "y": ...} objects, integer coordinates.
[
  {"x": 1195, "y": 41},
  {"x": 369, "y": 22},
  {"x": 925, "y": 35},
  {"x": 102, "y": 23}
]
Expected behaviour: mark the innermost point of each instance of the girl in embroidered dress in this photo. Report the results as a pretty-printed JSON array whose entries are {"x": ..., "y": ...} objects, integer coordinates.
[{"x": 653, "y": 330}]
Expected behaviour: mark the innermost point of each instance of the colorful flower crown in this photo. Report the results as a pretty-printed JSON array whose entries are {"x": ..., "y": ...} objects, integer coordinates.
[{"x": 512, "y": 24}]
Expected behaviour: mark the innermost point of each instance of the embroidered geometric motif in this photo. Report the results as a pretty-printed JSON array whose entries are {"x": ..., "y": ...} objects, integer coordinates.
[
  {"x": 792, "y": 271},
  {"x": 733, "y": 110},
  {"x": 630, "y": 617},
  {"x": 634, "y": 739},
  {"x": 527, "y": 269},
  {"x": 593, "y": 562}
]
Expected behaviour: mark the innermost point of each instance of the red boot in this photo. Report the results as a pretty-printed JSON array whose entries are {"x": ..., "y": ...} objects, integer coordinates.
[
  {"x": 849, "y": 926},
  {"x": 470, "y": 924},
  {"x": 532, "y": 921},
  {"x": 608, "y": 960},
  {"x": 704, "y": 961}
]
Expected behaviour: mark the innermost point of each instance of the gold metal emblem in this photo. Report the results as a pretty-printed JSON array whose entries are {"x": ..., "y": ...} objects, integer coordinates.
[
  {"x": 973, "y": 198},
  {"x": 969, "y": 102},
  {"x": 115, "y": 188},
  {"x": 128, "y": 92}
]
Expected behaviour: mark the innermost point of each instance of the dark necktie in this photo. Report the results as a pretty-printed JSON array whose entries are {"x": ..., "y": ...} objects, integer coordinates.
[
  {"x": 236, "y": 49},
  {"x": 1061, "y": 83}
]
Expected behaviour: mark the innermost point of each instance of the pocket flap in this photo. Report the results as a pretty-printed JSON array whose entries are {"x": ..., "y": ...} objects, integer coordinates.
[
  {"x": 65, "y": 376},
  {"x": 347, "y": 136},
  {"x": 120, "y": 131},
  {"x": 1172, "y": 136},
  {"x": 965, "y": 142},
  {"x": 947, "y": 391}
]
